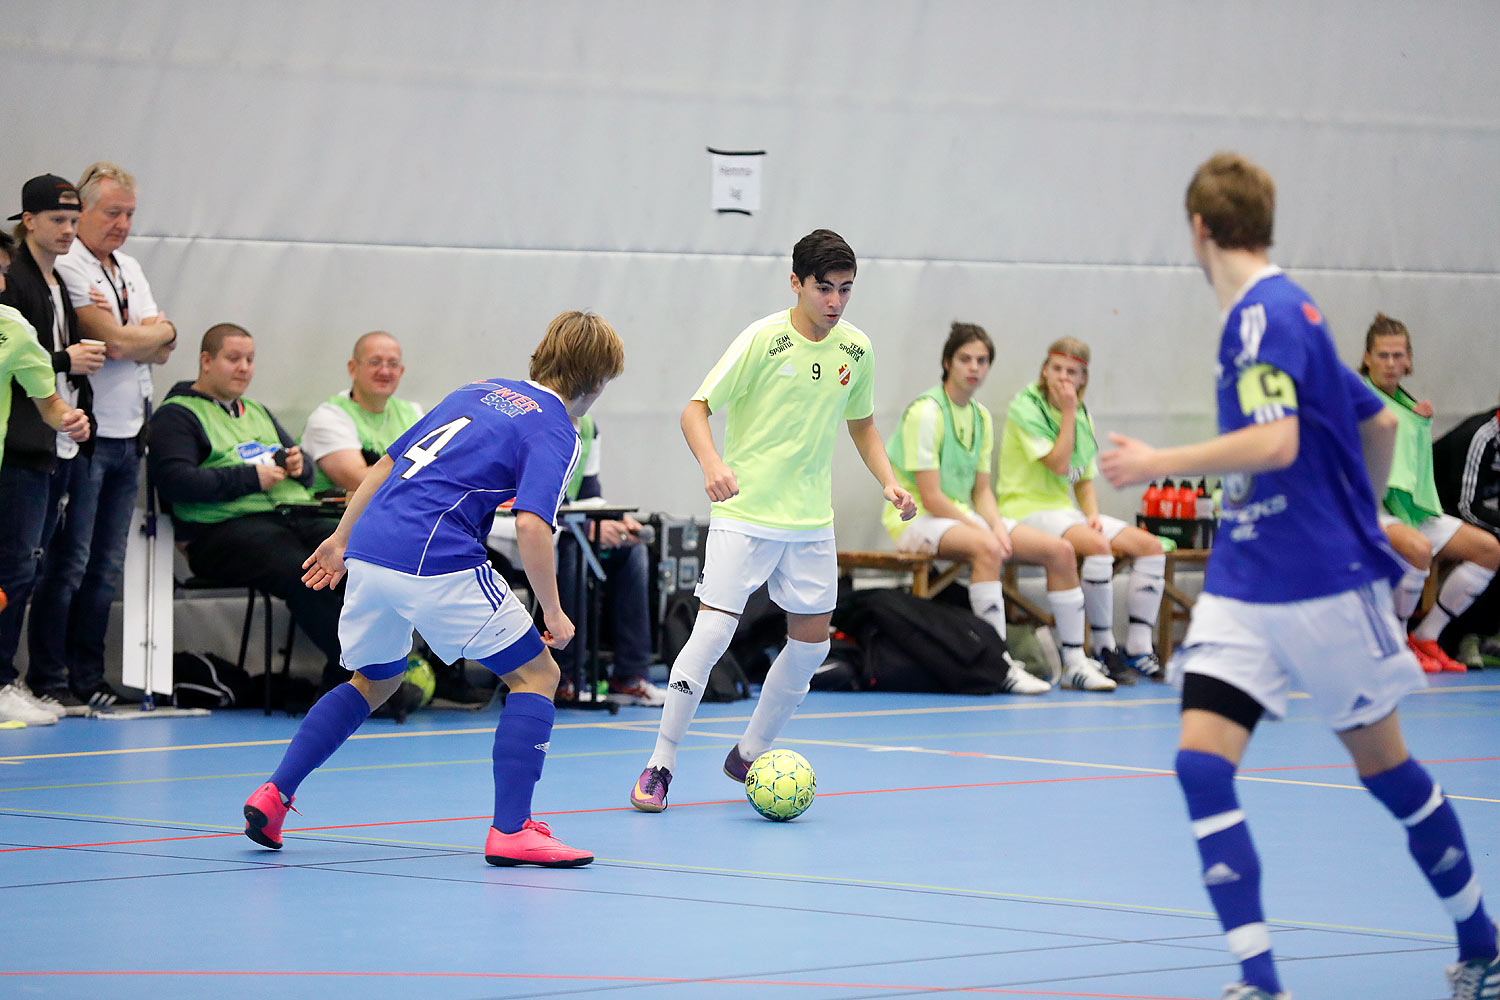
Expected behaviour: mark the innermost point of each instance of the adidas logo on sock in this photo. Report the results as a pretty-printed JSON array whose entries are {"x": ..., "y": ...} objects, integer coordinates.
[
  {"x": 1450, "y": 859},
  {"x": 1220, "y": 874},
  {"x": 680, "y": 686},
  {"x": 1359, "y": 703},
  {"x": 543, "y": 747}
]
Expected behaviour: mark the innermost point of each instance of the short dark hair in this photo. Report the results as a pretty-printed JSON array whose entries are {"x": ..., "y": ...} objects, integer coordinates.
[
  {"x": 1236, "y": 200},
  {"x": 214, "y": 337},
  {"x": 820, "y": 252},
  {"x": 960, "y": 334}
]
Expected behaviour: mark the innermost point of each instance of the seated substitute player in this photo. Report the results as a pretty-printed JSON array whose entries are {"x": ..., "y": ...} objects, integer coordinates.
[
  {"x": 942, "y": 454},
  {"x": 1466, "y": 465},
  {"x": 1297, "y": 590},
  {"x": 413, "y": 535},
  {"x": 787, "y": 381},
  {"x": 1048, "y": 444},
  {"x": 1413, "y": 516}
]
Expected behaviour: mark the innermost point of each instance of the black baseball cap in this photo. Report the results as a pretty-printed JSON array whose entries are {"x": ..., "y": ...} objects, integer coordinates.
[{"x": 48, "y": 193}]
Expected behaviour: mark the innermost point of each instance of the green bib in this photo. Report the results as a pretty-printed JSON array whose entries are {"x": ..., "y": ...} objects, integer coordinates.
[
  {"x": 958, "y": 463},
  {"x": 585, "y": 445},
  {"x": 1411, "y": 492},
  {"x": 377, "y": 431},
  {"x": 235, "y": 441}
]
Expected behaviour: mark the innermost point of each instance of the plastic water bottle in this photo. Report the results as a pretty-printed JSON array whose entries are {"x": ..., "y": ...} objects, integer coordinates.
[{"x": 1151, "y": 501}]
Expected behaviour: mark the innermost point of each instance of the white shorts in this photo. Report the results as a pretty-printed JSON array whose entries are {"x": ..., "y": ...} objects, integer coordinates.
[
  {"x": 1057, "y": 522},
  {"x": 471, "y": 613},
  {"x": 924, "y": 532},
  {"x": 1347, "y": 651},
  {"x": 1438, "y": 529},
  {"x": 803, "y": 576}
]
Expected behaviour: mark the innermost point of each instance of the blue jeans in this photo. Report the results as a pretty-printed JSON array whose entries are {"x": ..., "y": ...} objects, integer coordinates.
[
  {"x": 29, "y": 502},
  {"x": 81, "y": 571},
  {"x": 626, "y": 602}
]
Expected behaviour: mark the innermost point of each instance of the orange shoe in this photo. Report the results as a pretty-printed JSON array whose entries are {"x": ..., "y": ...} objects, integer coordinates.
[
  {"x": 1435, "y": 653},
  {"x": 1427, "y": 663},
  {"x": 533, "y": 844}
]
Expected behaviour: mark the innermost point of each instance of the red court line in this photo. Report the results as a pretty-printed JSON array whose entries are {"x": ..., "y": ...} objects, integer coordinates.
[
  {"x": 992, "y": 990},
  {"x": 713, "y": 802}
]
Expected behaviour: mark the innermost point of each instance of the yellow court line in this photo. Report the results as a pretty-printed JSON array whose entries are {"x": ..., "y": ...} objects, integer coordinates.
[{"x": 634, "y": 725}]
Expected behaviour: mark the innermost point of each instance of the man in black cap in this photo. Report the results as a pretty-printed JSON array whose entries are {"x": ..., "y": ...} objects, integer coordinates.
[{"x": 34, "y": 471}]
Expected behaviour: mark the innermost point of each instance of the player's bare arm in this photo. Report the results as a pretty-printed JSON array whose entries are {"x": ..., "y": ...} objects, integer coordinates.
[
  {"x": 1257, "y": 448},
  {"x": 539, "y": 560},
  {"x": 1064, "y": 395},
  {"x": 61, "y": 417},
  {"x": 872, "y": 450},
  {"x": 719, "y": 481},
  {"x": 1088, "y": 502},
  {"x": 983, "y": 499},
  {"x": 325, "y": 567},
  {"x": 1377, "y": 440}
]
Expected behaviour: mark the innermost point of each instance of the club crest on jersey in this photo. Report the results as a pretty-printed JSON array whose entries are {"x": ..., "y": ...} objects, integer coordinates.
[
  {"x": 1311, "y": 312},
  {"x": 843, "y": 374},
  {"x": 510, "y": 402}
]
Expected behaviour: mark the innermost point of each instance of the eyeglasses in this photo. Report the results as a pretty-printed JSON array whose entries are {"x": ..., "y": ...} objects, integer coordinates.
[{"x": 377, "y": 363}]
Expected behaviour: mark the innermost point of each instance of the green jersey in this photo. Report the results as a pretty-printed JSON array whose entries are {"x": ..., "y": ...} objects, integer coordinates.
[
  {"x": 585, "y": 448},
  {"x": 376, "y": 431},
  {"x": 1026, "y": 486},
  {"x": 957, "y": 441},
  {"x": 1411, "y": 492},
  {"x": 23, "y": 358},
  {"x": 249, "y": 438},
  {"x": 784, "y": 398}
]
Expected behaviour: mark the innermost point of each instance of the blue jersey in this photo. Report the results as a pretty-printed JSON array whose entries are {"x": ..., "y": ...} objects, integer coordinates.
[
  {"x": 1308, "y": 530},
  {"x": 486, "y": 443}
]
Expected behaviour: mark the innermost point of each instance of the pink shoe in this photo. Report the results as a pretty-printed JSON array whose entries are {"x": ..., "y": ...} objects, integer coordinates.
[
  {"x": 533, "y": 844},
  {"x": 650, "y": 791},
  {"x": 264, "y": 813},
  {"x": 1434, "y": 652}
]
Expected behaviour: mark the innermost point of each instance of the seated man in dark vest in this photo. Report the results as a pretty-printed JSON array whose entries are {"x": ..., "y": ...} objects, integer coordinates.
[{"x": 223, "y": 463}]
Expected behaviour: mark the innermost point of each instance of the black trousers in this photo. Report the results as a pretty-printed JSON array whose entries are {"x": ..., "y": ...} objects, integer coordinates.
[{"x": 267, "y": 550}]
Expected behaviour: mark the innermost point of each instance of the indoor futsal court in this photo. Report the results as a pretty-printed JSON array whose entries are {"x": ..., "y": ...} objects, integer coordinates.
[{"x": 994, "y": 846}]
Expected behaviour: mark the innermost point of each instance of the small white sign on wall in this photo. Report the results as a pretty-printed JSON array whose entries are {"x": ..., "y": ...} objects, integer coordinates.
[{"x": 736, "y": 180}]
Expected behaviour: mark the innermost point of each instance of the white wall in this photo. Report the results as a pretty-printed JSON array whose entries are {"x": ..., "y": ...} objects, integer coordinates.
[{"x": 459, "y": 172}]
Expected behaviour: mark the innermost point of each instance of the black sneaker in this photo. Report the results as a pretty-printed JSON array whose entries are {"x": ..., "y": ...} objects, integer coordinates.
[
  {"x": 1116, "y": 666},
  {"x": 71, "y": 703},
  {"x": 102, "y": 697}
]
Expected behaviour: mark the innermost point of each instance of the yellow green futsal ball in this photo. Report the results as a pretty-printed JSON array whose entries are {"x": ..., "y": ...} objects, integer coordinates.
[
  {"x": 780, "y": 785},
  {"x": 420, "y": 673}
]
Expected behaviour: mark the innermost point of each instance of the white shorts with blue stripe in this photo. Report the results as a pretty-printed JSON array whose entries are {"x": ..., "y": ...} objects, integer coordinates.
[
  {"x": 470, "y": 613},
  {"x": 1346, "y": 651}
]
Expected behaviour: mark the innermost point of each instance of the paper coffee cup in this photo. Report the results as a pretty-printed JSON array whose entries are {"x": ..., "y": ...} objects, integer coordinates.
[{"x": 86, "y": 340}]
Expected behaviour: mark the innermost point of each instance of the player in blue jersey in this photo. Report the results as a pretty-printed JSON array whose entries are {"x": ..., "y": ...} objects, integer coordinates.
[
  {"x": 412, "y": 541},
  {"x": 1298, "y": 586}
]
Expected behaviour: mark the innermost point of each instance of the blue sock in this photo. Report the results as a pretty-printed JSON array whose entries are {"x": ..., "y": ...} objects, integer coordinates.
[
  {"x": 1437, "y": 843},
  {"x": 1231, "y": 868},
  {"x": 521, "y": 741},
  {"x": 324, "y": 729}
]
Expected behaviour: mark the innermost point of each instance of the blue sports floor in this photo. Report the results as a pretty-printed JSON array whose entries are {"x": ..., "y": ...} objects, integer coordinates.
[{"x": 1012, "y": 847}]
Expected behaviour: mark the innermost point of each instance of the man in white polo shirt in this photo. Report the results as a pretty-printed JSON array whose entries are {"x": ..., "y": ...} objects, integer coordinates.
[{"x": 70, "y": 612}]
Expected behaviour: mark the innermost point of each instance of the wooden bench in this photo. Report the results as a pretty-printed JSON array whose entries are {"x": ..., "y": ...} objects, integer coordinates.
[{"x": 918, "y": 564}]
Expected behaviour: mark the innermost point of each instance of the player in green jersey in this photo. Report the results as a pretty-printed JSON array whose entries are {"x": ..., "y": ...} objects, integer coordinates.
[{"x": 785, "y": 383}]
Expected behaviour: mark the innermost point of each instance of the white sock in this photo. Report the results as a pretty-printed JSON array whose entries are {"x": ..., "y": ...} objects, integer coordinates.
[
  {"x": 1099, "y": 599},
  {"x": 782, "y": 691},
  {"x": 988, "y": 602},
  {"x": 1067, "y": 612},
  {"x": 712, "y": 631},
  {"x": 1143, "y": 601},
  {"x": 1467, "y": 581},
  {"x": 1409, "y": 592}
]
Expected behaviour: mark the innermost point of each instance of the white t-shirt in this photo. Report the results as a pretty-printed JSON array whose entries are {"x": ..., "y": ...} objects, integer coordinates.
[{"x": 120, "y": 387}]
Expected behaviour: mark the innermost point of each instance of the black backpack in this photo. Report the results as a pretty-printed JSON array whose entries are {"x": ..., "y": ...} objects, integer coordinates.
[
  {"x": 207, "y": 680},
  {"x": 727, "y": 680},
  {"x": 912, "y": 644}
]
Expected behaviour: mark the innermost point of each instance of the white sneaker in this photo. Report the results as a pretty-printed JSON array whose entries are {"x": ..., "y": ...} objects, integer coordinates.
[
  {"x": 14, "y": 706},
  {"x": 637, "y": 692},
  {"x": 1087, "y": 675},
  {"x": 1476, "y": 979},
  {"x": 45, "y": 702},
  {"x": 1018, "y": 681}
]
